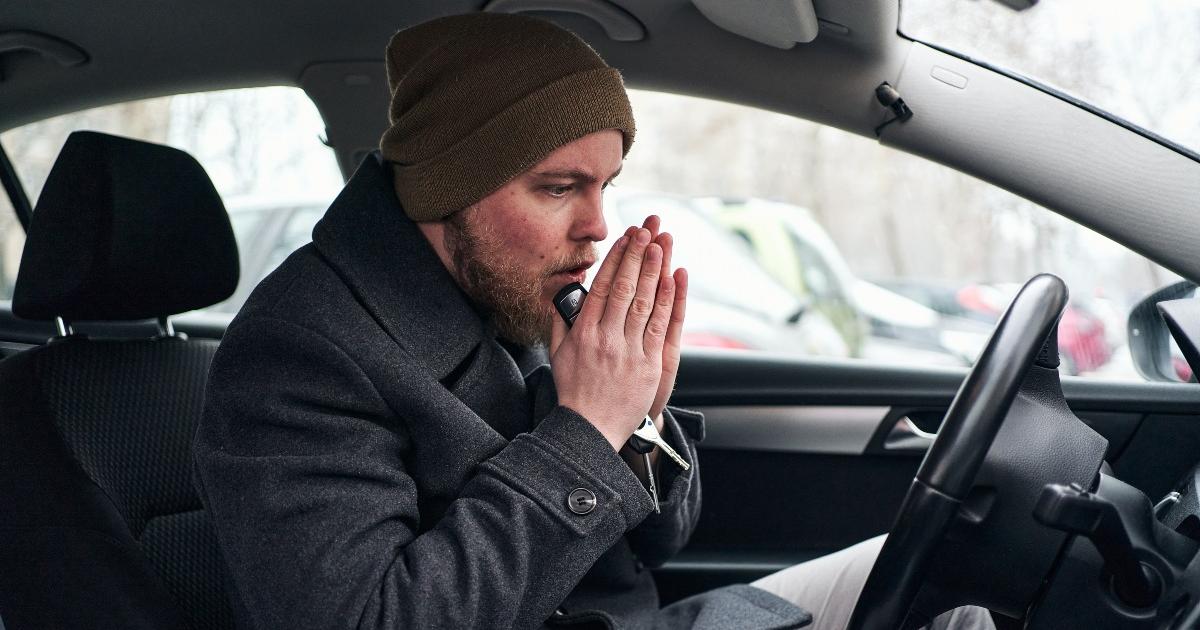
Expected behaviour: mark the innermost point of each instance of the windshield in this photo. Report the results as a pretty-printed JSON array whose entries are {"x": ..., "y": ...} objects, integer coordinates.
[{"x": 1135, "y": 60}]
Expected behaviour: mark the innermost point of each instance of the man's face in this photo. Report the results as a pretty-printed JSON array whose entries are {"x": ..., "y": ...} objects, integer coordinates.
[{"x": 518, "y": 246}]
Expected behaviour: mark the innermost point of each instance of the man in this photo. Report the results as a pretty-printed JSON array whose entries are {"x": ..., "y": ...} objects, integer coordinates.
[{"x": 381, "y": 446}]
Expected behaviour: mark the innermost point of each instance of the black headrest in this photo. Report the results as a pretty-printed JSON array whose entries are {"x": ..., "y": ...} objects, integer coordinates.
[{"x": 125, "y": 230}]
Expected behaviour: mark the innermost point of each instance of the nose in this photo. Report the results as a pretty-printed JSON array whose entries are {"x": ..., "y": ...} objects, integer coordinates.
[{"x": 589, "y": 224}]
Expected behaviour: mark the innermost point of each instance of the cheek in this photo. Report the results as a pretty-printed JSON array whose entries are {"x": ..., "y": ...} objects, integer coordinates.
[
  {"x": 536, "y": 243},
  {"x": 530, "y": 229}
]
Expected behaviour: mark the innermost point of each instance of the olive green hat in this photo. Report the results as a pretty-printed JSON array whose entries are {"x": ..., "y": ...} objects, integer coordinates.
[{"x": 479, "y": 98}]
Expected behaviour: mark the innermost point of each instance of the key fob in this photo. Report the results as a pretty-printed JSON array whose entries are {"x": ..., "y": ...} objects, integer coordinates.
[{"x": 569, "y": 301}]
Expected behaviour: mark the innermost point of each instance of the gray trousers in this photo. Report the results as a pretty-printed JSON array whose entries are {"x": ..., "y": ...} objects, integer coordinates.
[{"x": 829, "y": 586}]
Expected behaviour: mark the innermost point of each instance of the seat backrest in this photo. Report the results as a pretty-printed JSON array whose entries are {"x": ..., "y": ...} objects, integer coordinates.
[{"x": 100, "y": 524}]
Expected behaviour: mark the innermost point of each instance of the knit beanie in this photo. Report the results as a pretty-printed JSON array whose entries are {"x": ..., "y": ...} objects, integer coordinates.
[{"x": 479, "y": 98}]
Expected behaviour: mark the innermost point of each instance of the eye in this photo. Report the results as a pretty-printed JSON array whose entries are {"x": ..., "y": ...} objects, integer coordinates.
[{"x": 558, "y": 191}]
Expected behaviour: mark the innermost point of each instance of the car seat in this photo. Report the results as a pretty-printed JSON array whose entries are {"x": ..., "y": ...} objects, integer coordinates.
[{"x": 100, "y": 524}]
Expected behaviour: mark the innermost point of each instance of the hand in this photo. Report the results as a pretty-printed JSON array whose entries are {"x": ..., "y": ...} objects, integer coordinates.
[
  {"x": 671, "y": 349},
  {"x": 609, "y": 365}
]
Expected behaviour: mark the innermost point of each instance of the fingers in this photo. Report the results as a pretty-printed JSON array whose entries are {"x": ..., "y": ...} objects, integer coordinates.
[
  {"x": 625, "y": 289},
  {"x": 658, "y": 327},
  {"x": 624, "y": 284},
  {"x": 558, "y": 332},
  {"x": 593, "y": 306},
  {"x": 678, "y": 311},
  {"x": 643, "y": 299},
  {"x": 664, "y": 239},
  {"x": 652, "y": 223},
  {"x": 667, "y": 243}
]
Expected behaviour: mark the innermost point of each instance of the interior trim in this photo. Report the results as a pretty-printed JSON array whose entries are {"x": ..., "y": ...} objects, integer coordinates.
[
  {"x": 827, "y": 429},
  {"x": 62, "y": 52},
  {"x": 778, "y": 23},
  {"x": 749, "y": 561},
  {"x": 1059, "y": 94},
  {"x": 618, "y": 24}
]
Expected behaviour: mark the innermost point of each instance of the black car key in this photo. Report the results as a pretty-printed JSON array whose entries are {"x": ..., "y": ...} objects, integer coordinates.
[{"x": 569, "y": 301}]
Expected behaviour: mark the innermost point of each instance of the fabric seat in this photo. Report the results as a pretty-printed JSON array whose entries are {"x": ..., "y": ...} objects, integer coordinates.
[{"x": 100, "y": 525}]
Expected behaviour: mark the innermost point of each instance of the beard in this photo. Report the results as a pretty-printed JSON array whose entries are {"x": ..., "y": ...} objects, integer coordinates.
[{"x": 496, "y": 281}]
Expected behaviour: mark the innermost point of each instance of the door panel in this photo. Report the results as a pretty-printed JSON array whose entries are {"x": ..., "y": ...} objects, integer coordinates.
[
  {"x": 825, "y": 429},
  {"x": 796, "y": 465}
]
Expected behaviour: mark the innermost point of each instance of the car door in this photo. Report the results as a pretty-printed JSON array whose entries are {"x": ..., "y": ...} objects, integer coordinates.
[{"x": 803, "y": 457}]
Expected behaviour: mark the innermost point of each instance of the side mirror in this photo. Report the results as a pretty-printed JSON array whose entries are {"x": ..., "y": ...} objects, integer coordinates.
[{"x": 1155, "y": 354}]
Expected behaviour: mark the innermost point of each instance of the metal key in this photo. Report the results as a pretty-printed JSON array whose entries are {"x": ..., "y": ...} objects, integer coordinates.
[
  {"x": 653, "y": 482},
  {"x": 646, "y": 437},
  {"x": 645, "y": 447}
]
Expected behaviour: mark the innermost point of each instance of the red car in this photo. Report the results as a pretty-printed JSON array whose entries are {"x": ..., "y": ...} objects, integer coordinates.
[{"x": 1081, "y": 336}]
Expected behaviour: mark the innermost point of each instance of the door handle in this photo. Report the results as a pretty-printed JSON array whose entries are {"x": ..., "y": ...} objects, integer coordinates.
[{"x": 907, "y": 436}]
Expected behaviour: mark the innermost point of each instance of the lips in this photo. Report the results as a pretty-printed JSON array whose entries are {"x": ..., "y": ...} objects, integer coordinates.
[{"x": 576, "y": 274}]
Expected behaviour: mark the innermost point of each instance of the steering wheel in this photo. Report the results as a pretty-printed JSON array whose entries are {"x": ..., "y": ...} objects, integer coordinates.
[{"x": 953, "y": 460}]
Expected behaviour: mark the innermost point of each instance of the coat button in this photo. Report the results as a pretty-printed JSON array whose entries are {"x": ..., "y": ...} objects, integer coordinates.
[{"x": 581, "y": 501}]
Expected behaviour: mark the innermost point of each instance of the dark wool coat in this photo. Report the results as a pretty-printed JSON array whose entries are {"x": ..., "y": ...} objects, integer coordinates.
[{"x": 372, "y": 457}]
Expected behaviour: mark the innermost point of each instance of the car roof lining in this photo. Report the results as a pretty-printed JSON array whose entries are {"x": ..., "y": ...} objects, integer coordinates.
[
  {"x": 830, "y": 81},
  {"x": 255, "y": 53}
]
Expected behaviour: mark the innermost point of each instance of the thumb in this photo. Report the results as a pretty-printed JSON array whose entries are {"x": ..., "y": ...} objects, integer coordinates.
[{"x": 558, "y": 332}]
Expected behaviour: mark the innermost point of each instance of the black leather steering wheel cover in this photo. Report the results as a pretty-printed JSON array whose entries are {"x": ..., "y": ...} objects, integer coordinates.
[{"x": 949, "y": 468}]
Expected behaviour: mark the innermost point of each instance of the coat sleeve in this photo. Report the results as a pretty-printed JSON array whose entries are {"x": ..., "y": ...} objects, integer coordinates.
[
  {"x": 300, "y": 464},
  {"x": 660, "y": 536}
]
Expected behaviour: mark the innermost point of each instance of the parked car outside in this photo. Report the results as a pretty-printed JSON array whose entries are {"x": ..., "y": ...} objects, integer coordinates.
[
  {"x": 794, "y": 248},
  {"x": 797, "y": 252},
  {"x": 731, "y": 290},
  {"x": 1083, "y": 342}
]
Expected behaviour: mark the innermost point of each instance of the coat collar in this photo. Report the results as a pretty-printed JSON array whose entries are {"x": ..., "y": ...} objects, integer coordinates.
[{"x": 395, "y": 273}]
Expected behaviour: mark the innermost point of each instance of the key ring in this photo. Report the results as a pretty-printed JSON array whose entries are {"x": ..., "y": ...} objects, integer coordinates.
[{"x": 640, "y": 444}]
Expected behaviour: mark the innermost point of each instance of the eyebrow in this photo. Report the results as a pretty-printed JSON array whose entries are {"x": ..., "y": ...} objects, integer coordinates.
[{"x": 576, "y": 175}]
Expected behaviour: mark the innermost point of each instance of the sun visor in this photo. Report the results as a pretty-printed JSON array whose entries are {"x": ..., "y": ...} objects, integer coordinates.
[{"x": 778, "y": 23}]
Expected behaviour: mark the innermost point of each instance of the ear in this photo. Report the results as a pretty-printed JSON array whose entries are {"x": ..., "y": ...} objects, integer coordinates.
[{"x": 435, "y": 233}]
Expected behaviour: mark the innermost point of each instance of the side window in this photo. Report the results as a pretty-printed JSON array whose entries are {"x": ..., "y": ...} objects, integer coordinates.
[
  {"x": 881, "y": 255},
  {"x": 12, "y": 242},
  {"x": 296, "y": 232},
  {"x": 261, "y": 147}
]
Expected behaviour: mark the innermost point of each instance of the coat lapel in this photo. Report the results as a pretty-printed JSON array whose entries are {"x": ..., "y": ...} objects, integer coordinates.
[
  {"x": 393, "y": 271},
  {"x": 492, "y": 387}
]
